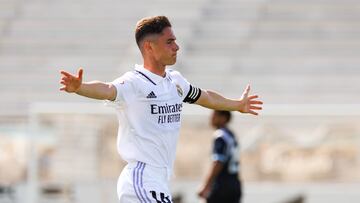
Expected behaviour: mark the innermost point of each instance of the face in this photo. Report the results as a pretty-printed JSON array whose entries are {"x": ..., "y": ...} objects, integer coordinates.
[
  {"x": 164, "y": 48},
  {"x": 217, "y": 120}
]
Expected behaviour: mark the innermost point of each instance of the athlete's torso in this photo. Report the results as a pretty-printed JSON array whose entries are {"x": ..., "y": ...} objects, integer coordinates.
[{"x": 149, "y": 111}]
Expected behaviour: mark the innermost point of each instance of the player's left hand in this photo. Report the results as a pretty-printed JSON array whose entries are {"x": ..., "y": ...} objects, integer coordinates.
[
  {"x": 248, "y": 103},
  {"x": 204, "y": 192}
]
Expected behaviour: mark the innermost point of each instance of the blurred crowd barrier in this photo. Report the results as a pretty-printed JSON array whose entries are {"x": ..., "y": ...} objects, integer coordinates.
[{"x": 75, "y": 146}]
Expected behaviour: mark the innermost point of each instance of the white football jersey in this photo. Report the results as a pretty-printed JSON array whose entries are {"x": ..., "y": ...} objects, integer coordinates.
[{"x": 149, "y": 110}]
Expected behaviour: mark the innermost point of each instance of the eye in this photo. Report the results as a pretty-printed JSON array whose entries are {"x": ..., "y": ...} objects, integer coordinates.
[{"x": 170, "y": 41}]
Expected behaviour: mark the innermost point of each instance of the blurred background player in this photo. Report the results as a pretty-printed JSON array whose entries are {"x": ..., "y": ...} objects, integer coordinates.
[{"x": 222, "y": 183}]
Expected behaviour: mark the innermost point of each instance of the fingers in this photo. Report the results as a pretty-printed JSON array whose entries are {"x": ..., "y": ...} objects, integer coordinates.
[
  {"x": 80, "y": 72},
  {"x": 251, "y": 105},
  {"x": 246, "y": 91},
  {"x": 253, "y": 97},
  {"x": 70, "y": 82},
  {"x": 65, "y": 83},
  {"x": 256, "y": 102},
  {"x": 250, "y": 112},
  {"x": 251, "y": 101},
  {"x": 66, "y": 73},
  {"x": 65, "y": 79},
  {"x": 253, "y": 112},
  {"x": 255, "y": 107}
]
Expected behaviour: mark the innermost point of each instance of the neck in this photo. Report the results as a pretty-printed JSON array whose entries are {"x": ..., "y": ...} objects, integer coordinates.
[
  {"x": 220, "y": 126},
  {"x": 155, "y": 68}
]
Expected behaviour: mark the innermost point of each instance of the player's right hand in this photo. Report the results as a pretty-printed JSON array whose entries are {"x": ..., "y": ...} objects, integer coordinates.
[{"x": 71, "y": 82}]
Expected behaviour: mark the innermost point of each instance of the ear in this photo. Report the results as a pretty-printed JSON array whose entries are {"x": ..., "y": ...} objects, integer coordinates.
[{"x": 147, "y": 46}]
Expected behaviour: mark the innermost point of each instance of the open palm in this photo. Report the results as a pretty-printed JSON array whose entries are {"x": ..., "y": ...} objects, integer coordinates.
[
  {"x": 249, "y": 104},
  {"x": 71, "y": 82}
]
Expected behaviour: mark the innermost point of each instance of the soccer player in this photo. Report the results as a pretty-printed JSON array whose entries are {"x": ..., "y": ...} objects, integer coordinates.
[
  {"x": 222, "y": 184},
  {"x": 149, "y": 102}
]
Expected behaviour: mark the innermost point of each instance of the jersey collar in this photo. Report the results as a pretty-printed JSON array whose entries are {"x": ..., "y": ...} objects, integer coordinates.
[{"x": 152, "y": 76}]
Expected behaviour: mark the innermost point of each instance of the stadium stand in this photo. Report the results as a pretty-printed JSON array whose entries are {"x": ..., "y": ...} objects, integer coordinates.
[
  {"x": 292, "y": 52},
  {"x": 287, "y": 47}
]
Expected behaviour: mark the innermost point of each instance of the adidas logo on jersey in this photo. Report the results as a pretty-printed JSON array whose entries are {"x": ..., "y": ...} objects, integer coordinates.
[{"x": 151, "y": 95}]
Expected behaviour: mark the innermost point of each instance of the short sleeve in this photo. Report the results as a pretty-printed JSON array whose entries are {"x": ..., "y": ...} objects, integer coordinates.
[
  {"x": 124, "y": 88},
  {"x": 219, "y": 150},
  {"x": 190, "y": 93}
]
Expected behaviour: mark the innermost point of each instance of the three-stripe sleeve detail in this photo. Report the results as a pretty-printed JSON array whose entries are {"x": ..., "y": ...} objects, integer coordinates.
[{"x": 193, "y": 95}]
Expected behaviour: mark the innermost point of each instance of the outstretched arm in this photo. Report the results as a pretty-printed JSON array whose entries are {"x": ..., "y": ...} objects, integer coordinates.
[
  {"x": 93, "y": 89},
  {"x": 246, "y": 104}
]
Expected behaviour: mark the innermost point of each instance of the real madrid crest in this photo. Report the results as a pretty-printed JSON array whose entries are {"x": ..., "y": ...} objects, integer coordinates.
[{"x": 179, "y": 90}]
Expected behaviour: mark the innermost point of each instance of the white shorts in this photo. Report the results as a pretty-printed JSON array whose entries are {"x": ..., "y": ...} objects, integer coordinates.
[{"x": 142, "y": 183}]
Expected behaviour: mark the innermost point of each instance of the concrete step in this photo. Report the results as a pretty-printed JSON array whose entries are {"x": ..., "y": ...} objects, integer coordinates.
[
  {"x": 276, "y": 47},
  {"x": 64, "y": 48},
  {"x": 39, "y": 63},
  {"x": 284, "y": 88},
  {"x": 309, "y": 4},
  {"x": 230, "y": 30},
  {"x": 290, "y": 10},
  {"x": 242, "y": 15},
  {"x": 284, "y": 30},
  {"x": 298, "y": 66},
  {"x": 89, "y": 42},
  {"x": 316, "y": 1},
  {"x": 72, "y": 34},
  {"x": 326, "y": 84},
  {"x": 341, "y": 47},
  {"x": 283, "y": 83},
  {"x": 19, "y": 109},
  {"x": 330, "y": 82},
  {"x": 51, "y": 79},
  {"x": 7, "y": 10},
  {"x": 53, "y": 74},
  {"x": 117, "y": 10},
  {"x": 206, "y": 65},
  {"x": 3, "y": 24},
  {"x": 320, "y": 31},
  {"x": 294, "y": 12},
  {"x": 269, "y": 66}
]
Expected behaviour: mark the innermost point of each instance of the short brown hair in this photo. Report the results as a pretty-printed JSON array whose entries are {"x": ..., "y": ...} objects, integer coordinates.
[{"x": 150, "y": 25}]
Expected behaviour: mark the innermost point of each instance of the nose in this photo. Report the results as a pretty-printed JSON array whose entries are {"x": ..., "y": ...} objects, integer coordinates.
[{"x": 176, "y": 46}]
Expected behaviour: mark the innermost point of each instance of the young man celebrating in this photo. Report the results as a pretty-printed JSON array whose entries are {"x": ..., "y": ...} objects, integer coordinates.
[
  {"x": 149, "y": 103},
  {"x": 222, "y": 184}
]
